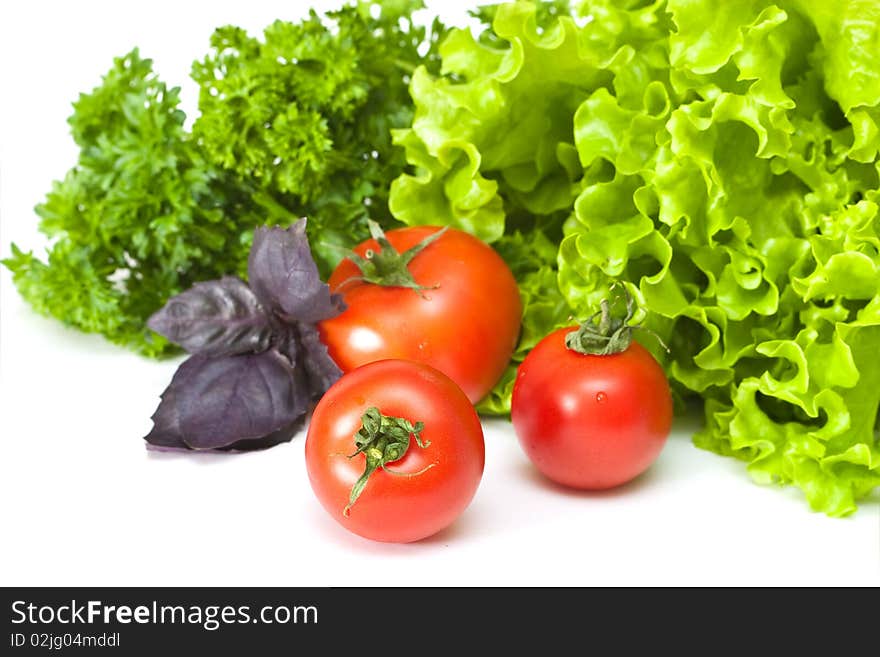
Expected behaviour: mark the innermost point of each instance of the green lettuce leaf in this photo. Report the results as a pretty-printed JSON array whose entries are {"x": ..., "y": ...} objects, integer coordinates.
[{"x": 721, "y": 160}]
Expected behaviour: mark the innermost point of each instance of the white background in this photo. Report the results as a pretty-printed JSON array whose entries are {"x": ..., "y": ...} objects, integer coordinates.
[{"x": 83, "y": 503}]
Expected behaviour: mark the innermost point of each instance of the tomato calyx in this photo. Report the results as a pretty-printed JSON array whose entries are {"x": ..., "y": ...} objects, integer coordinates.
[
  {"x": 387, "y": 266},
  {"x": 603, "y": 334},
  {"x": 383, "y": 439}
]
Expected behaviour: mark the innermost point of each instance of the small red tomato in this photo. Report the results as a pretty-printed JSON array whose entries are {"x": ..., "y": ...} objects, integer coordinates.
[
  {"x": 588, "y": 420},
  {"x": 443, "y": 298},
  {"x": 395, "y": 451}
]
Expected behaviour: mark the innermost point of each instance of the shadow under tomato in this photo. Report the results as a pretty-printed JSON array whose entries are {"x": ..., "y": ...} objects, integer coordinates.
[
  {"x": 646, "y": 480},
  {"x": 464, "y": 526},
  {"x": 335, "y": 532}
]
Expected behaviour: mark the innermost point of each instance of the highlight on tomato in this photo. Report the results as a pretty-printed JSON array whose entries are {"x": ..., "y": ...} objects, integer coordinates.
[
  {"x": 592, "y": 408},
  {"x": 436, "y": 296},
  {"x": 395, "y": 451}
]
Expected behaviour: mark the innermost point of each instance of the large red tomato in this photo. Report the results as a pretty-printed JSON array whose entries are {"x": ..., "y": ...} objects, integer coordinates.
[
  {"x": 395, "y": 451},
  {"x": 590, "y": 421},
  {"x": 453, "y": 305}
]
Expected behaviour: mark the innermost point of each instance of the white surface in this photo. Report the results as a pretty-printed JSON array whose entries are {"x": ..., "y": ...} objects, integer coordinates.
[{"x": 83, "y": 503}]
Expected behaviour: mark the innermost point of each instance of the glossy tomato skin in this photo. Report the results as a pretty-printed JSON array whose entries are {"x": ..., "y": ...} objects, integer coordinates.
[
  {"x": 396, "y": 508},
  {"x": 467, "y": 327},
  {"x": 590, "y": 422}
]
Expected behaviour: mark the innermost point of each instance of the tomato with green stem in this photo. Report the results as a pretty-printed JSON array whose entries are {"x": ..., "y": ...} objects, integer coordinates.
[
  {"x": 437, "y": 296},
  {"x": 592, "y": 408},
  {"x": 395, "y": 451}
]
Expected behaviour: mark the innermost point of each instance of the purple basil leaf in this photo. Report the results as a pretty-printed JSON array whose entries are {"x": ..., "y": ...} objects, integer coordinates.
[
  {"x": 216, "y": 318},
  {"x": 287, "y": 343},
  {"x": 322, "y": 371},
  {"x": 237, "y": 398},
  {"x": 216, "y": 403},
  {"x": 258, "y": 363},
  {"x": 302, "y": 345},
  {"x": 283, "y": 275},
  {"x": 166, "y": 420},
  {"x": 283, "y": 435},
  {"x": 166, "y": 424}
]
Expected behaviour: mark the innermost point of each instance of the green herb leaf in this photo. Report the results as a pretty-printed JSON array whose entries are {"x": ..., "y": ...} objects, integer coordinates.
[{"x": 296, "y": 123}]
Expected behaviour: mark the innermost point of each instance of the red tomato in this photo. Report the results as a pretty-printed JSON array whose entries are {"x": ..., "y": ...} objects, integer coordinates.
[
  {"x": 430, "y": 485},
  {"x": 465, "y": 322},
  {"x": 590, "y": 421}
]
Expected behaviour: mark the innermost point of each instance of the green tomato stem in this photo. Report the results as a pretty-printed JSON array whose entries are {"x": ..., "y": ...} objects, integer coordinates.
[
  {"x": 387, "y": 266},
  {"x": 382, "y": 439},
  {"x": 602, "y": 333}
]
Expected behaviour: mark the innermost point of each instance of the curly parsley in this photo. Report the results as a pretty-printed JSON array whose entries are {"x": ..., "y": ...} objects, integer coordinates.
[{"x": 297, "y": 123}]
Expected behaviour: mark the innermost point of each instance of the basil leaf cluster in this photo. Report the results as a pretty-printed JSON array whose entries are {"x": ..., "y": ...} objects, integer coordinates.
[{"x": 257, "y": 362}]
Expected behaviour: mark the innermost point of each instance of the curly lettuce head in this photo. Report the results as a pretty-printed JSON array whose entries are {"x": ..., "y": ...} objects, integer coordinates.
[{"x": 720, "y": 158}]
